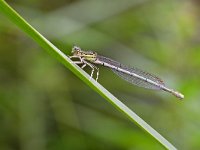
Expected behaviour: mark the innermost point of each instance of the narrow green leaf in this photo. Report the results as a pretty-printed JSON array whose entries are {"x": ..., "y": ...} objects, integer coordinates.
[{"x": 61, "y": 57}]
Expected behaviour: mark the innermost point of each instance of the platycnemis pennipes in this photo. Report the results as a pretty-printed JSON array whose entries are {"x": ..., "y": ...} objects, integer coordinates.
[{"x": 131, "y": 74}]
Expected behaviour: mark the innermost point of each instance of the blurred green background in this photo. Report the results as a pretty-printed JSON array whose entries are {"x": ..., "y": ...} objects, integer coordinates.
[{"x": 43, "y": 106}]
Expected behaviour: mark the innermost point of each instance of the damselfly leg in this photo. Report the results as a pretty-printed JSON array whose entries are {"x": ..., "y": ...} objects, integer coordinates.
[
  {"x": 83, "y": 66},
  {"x": 85, "y": 63}
]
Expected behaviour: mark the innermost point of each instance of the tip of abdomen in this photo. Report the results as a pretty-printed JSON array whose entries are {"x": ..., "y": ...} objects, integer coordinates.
[{"x": 178, "y": 95}]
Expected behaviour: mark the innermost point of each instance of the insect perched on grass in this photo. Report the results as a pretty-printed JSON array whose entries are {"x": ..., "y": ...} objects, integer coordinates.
[{"x": 130, "y": 74}]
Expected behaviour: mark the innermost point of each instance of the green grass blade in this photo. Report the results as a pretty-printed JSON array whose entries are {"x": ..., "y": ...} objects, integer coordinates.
[{"x": 55, "y": 52}]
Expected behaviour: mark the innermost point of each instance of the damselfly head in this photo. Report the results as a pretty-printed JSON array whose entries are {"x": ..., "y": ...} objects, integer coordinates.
[{"x": 75, "y": 49}]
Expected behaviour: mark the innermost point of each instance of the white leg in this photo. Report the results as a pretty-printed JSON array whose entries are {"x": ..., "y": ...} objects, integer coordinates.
[
  {"x": 85, "y": 63},
  {"x": 74, "y": 57},
  {"x": 97, "y": 74},
  {"x": 77, "y": 62},
  {"x": 91, "y": 66},
  {"x": 83, "y": 66}
]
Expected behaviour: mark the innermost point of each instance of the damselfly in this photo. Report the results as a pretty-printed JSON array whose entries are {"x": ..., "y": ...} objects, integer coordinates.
[{"x": 130, "y": 74}]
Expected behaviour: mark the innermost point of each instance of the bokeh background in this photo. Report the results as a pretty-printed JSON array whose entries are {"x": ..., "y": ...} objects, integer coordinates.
[{"x": 44, "y": 106}]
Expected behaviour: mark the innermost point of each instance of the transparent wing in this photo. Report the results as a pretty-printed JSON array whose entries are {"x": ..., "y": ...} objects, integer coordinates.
[
  {"x": 131, "y": 78},
  {"x": 137, "y": 81},
  {"x": 136, "y": 76}
]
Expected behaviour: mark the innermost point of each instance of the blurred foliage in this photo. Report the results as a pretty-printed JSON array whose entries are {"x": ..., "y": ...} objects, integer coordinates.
[{"x": 44, "y": 106}]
